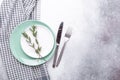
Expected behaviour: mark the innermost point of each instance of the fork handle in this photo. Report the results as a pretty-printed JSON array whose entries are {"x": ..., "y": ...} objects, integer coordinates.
[{"x": 61, "y": 54}]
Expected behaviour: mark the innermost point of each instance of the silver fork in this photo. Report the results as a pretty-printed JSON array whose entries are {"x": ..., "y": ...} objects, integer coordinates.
[{"x": 67, "y": 36}]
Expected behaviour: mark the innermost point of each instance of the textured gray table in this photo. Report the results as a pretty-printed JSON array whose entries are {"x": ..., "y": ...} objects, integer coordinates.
[{"x": 93, "y": 52}]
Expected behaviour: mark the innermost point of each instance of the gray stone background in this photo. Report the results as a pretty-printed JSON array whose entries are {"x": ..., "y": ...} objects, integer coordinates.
[{"x": 93, "y": 52}]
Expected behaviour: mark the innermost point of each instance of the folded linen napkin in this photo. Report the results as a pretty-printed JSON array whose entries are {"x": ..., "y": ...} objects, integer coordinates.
[{"x": 12, "y": 13}]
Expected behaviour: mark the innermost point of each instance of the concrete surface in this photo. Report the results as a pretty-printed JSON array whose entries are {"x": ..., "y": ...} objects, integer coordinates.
[{"x": 93, "y": 52}]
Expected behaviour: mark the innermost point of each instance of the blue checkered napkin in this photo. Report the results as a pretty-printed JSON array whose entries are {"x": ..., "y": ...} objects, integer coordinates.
[{"x": 12, "y": 13}]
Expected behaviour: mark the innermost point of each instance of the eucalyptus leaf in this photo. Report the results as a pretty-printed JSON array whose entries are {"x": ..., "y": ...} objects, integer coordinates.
[
  {"x": 29, "y": 39},
  {"x": 31, "y": 30},
  {"x": 35, "y": 34},
  {"x": 33, "y": 45},
  {"x": 39, "y": 48},
  {"x": 36, "y": 41},
  {"x": 37, "y": 51},
  {"x": 33, "y": 27},
  {"x": 25, "y": 35}
]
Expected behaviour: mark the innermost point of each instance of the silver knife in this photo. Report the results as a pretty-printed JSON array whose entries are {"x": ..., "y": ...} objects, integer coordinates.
[{"x": 59, "y": 34}]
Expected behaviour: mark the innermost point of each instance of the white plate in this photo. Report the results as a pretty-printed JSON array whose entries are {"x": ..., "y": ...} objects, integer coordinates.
[{"x": 45, "y": 39}]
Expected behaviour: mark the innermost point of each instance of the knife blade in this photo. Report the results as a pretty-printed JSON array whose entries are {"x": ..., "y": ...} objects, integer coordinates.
[{"x": 58, "y": 39}]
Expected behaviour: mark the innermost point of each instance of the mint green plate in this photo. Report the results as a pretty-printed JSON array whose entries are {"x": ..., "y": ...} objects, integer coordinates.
[{"x": 16, "y": 46}]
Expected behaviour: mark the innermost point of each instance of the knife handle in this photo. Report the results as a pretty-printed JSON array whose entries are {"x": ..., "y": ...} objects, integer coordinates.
[
  {"x": 55, "y": 56},
  {"x": 61, "y": 54}
]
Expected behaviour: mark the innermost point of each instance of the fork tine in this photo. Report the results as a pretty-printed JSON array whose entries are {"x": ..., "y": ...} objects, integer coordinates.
[{"x": 69, "y": 32}]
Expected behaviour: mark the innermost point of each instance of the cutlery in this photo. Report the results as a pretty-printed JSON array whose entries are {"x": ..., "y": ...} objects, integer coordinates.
[
  {"x": 67, "y": 36},
  {"x": 59, "y": 34}
]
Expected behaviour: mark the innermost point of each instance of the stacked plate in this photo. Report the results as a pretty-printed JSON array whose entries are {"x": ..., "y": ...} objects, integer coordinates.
[{"x": 37, "y": 47}]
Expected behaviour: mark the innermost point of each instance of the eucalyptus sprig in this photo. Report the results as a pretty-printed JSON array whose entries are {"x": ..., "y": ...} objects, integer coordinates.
[
  {"x": 28, "y": 40},
  {"x": 34, "y": 33}
]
